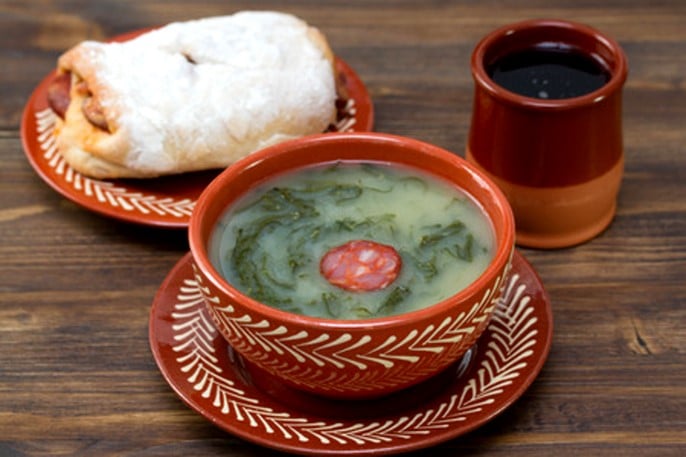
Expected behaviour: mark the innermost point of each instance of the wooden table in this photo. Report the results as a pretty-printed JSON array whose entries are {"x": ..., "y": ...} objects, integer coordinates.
[{"x": 76, "y": 372}]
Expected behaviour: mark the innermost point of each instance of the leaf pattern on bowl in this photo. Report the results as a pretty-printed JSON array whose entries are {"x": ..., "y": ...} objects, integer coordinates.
[{"x": 508, "y": 349}]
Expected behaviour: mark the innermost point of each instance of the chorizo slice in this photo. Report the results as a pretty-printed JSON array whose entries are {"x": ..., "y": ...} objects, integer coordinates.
[
  {"x": 58, "y": 94},
  {"x": 93, "y": 111},
  {"x": 361, "y": 266},
  {"x": 59, "y": 98}
]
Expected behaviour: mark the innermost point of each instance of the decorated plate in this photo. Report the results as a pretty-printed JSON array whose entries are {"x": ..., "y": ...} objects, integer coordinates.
[
  {"x": 216, "y": 382},
  {"x": 164, "y": 202}
]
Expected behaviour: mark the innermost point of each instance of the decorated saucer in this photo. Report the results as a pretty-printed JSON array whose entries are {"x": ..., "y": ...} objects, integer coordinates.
[
  {"x": 163, "y": 202},
  {"x": 218, "y": 383}
]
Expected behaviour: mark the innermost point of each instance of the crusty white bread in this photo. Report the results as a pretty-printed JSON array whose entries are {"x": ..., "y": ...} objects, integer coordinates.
[{"x": 196, "y": 95}]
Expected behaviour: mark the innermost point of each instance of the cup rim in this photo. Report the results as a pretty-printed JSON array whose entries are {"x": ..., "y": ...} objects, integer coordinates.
[
  {"x": 618, "y": 75},
  {"x": 200, "y": 228}
]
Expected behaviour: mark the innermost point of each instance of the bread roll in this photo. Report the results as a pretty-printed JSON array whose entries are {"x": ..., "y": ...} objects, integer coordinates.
[{"x": 194, "y": 95}]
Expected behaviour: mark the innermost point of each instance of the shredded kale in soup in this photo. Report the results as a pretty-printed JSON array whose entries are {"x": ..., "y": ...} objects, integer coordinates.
[{"x": 269, "y": 245}]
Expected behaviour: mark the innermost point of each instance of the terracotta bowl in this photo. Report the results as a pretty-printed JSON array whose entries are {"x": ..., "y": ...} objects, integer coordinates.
[{"x": 351, "y": 358}]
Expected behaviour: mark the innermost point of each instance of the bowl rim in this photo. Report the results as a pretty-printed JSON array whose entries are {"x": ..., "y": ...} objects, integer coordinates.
[
  {"x": 502, "y": 256},
  {"x": 542, "y": 30}
]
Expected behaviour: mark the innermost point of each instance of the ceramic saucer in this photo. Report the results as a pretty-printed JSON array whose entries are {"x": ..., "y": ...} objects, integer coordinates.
[
  {"x": 163, "y": 202},
  {"x": 216, "y": 382}
]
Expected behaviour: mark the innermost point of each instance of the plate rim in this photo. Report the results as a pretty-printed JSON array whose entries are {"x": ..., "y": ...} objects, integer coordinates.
[
  {"x": 520, "y": 264},
  {"x": 29, "y": 132}
]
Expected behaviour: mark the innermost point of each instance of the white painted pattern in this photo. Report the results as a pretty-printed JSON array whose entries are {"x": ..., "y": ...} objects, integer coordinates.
[
  {"x": 119, "y": 196},
  {"x": 104, "y": 192},
  {"x": 513, "y": 335},
  {"x": 261, "y": 336}
]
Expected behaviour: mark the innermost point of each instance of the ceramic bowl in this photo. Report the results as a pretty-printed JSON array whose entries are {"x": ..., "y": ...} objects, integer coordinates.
[{"x": 350, "y": 358}]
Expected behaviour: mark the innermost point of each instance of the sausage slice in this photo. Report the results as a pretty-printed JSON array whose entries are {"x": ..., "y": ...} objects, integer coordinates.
[{"x": 361, "y": 265}]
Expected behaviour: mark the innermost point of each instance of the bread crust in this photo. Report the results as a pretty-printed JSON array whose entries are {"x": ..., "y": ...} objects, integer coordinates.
[{"x": 196, "y": 95}]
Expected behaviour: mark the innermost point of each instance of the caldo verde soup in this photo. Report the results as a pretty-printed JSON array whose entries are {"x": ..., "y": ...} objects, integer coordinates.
[{"x": 352, "y": 241}]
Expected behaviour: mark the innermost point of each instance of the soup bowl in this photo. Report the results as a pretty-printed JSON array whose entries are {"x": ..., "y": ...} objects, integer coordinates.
[{"x": 350, "y": 358}]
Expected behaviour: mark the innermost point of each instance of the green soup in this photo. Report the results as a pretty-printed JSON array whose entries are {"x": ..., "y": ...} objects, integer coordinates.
[{"x": 270, "y": 243}]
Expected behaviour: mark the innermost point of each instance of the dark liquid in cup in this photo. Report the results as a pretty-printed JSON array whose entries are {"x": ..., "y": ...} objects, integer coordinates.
[{"x": 548, "y": 73}]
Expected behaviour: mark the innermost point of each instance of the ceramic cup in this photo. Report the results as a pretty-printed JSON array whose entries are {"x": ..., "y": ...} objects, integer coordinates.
[{"x": 558, "y": 161}]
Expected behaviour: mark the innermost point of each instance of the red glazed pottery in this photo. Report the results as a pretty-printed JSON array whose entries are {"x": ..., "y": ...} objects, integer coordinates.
[
  {"x": 235, "y": 396},
  {"x": 558, "y": 161},
  {"x": 350, "y": 358}
]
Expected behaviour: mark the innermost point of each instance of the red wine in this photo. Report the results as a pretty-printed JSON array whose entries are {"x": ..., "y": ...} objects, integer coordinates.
[{"x": 548, "y": 73}]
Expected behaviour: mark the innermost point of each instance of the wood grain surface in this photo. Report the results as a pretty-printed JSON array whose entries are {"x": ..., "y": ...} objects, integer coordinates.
[{"x": 77, "y": 377}]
